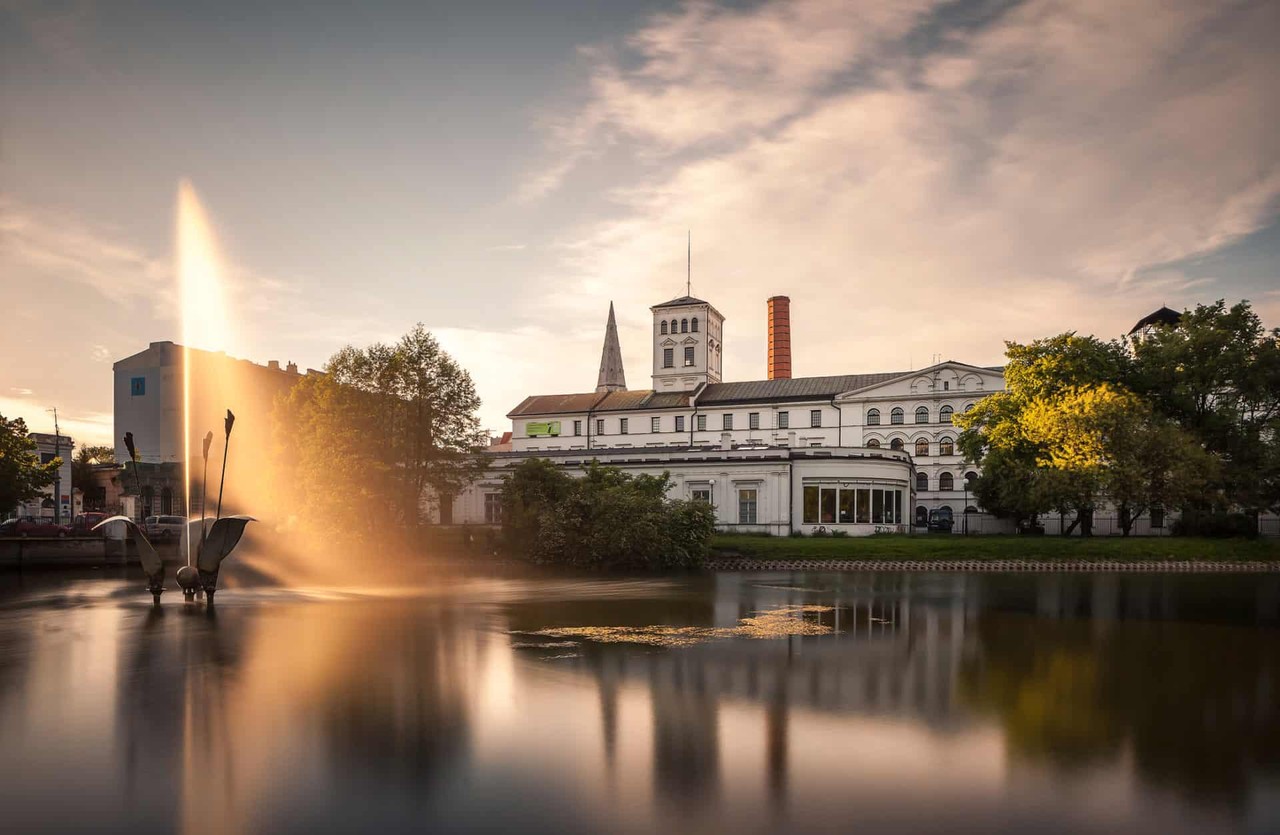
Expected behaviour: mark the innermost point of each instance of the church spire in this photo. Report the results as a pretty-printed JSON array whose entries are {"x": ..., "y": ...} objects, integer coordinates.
[{"x": 611, "y": 375}]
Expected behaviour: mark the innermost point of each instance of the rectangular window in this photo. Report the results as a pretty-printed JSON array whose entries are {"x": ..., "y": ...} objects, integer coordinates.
[
  {"x": 811, "y": 506},
  {"x": 784, "y": 420},
  {"x": 946, "y": 386},
  {"x": 702, "y": 423},
  {"x": 830, "y": 501},
  {"x": 897, "y": 506},
  {"x": 701, "y": 494},
  {"x": 728, "y": 421},
  {"x": 815, "y": 417},
  {"x": 753, "y": 420},
  {"x": 622, "y": 426},
  {"x": 599, "y": 426},
  {"x": 877, "y": 507},
  {"x": 577, "y": 427},
  {"x": 747, "y": 506},
  {"x": 688, "y": 356},
  {"x": 679, "y": 423},
  {"x": 668, "y": 358},
  {"x": 493, "y": 508},
  {"x": 655, "y": 424},
  {"x": 846, "y": 507},
  {"x": 137, "y": 387},
  {"x": 864, "y": 505}
]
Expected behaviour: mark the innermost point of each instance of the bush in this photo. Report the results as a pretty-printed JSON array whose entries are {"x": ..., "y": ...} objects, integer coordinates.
[
  {"x": 1215, "y": 524},
  {"x": 607, "y": 518}
]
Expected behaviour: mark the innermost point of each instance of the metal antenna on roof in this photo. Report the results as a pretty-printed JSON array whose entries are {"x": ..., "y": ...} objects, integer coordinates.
[{"x": 688, "y": 276}]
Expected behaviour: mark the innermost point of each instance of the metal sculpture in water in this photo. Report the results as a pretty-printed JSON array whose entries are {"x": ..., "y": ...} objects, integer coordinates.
[{"x": 216, "y": 543}]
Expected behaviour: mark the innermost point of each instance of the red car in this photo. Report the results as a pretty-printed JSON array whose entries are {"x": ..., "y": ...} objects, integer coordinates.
[{"x": 31, "y": 526}]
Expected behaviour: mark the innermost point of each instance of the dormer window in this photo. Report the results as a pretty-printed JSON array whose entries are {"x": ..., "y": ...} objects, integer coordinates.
[{"x": 664, "y": 327}]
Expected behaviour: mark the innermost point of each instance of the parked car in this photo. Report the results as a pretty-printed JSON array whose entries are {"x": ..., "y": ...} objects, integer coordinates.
[
  {"x": 33, "y": 526},
  {"x": 83, "y": 524},
  {"x": 941, "y": 519},
  {"x": 163, "y": 527}
]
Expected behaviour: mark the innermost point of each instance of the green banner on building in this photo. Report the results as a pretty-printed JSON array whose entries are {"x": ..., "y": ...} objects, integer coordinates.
[{"x": 535, "y": 430}]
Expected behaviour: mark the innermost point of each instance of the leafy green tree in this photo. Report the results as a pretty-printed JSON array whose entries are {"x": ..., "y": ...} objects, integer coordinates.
[
  {"x": 383, "y": 430},
  {"x": 606, "y": 518},
  {"x": 1217, "y": 375},
  {"x": 22, "y": 476}
]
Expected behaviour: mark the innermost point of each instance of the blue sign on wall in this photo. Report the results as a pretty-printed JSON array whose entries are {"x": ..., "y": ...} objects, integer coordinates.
[{"x": 138, "y": 386}]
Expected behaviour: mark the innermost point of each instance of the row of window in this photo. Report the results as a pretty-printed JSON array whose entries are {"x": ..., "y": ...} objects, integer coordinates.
[
  {"x": 850, "y": 505},
  {"x": 946, "y": 446},
  {"x": 946, "y": 481},
  {"x": 678, "y": 422},
  {"x": 898, "y": 416},
  {"x": 685, "y": 326}
]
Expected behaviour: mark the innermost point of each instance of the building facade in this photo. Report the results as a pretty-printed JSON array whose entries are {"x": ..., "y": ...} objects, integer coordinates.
[{"x": 859, "y": 453}]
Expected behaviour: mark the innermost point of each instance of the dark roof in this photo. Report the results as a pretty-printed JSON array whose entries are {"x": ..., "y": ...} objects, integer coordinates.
[
  {"x": 1163, "y": 316},
  {"x": 795, "y": 388},
  {"x": 680, "y": 302},
  {"x": 614, "y": 401}
]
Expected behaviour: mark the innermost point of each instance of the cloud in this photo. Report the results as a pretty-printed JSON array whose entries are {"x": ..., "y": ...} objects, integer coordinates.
[{"x": 1013, "y": 179}]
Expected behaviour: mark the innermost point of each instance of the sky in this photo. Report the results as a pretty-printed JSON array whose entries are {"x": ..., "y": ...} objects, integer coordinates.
[{"x": 924, "y": 179}]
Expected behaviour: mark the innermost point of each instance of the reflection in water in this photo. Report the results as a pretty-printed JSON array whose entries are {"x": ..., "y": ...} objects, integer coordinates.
[{"x": 900, "y": 703}]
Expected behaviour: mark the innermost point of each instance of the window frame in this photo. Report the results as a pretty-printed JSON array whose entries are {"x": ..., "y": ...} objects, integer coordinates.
[
  {"x": 726, "y": 422},
  {"x": 815, "y": 418},
  {"x": 668, "y": 357},
  {"x": 623, "y": 426},
  {"x": 751, "y": 504},
  {"x": 897, "y": 416},
  {"x": 873, "y": 417},
  {"x": 679, "y": 423},
  {"x": 925, "y": 410},
  {"x": 784, "y": 420}
]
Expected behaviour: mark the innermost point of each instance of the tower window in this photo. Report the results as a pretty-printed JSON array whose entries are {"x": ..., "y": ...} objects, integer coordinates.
[
  {"x": 668, "y": 358},
  {"x": 694, "y": 326},
  {"x": 688, "y": 356},
  {"x": 674, "y": 325},
  {"x": 664, "y": 326},
  {"x": 684, "y": 326}
]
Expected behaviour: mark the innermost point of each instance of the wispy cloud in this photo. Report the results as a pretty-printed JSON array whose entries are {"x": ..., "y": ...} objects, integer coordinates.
[{"x": 1011, "y": 179}]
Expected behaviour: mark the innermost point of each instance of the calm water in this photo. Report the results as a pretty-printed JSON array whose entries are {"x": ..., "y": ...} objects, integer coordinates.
[{"x": 762, "y": 702}]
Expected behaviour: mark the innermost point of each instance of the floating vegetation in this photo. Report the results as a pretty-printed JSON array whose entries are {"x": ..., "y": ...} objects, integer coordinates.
[{"x": 775, "y": 623}]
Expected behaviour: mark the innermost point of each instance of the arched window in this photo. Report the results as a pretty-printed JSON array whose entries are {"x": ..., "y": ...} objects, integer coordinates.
[
  {"x": 694, "y": 327},
  {"x": 873, "y": 417},
  {"x": 896, "y": 443},
  {"x": 968, "y": 407},
  {"x": 897, "y": 415},
  {"x": 969, "y": 478},
  {"x": 922, "y": 446},
  {"x": 684, "y": 326},
  {"x": 946, "y": 481},
  {"x": 946, "y": 446},
  {"x": 922, "y": 414},
  {"x": 674, "y": 325},
  {"x": 922, "y": 516},
  {"x": 874, "y": 443},
  {"x": 922, "y": 482},
  {"x": 944, "y": 414},
  {"x": 664, "y": 326}
]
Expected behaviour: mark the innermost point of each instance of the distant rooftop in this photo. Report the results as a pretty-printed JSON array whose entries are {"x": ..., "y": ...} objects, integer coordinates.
[
  {"x": 1163, "y": 316},
  {"x": 680, "y": 302}
]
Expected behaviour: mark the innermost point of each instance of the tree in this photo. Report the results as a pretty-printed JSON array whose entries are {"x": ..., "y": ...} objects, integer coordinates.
[
  {"x": 383, "y": 430},
  {"x": 22, "y": 476},
  {"x": 86, "y": 457},
  {"x": 606, "y": 518},
  {"x": 1217, "y": 375}
]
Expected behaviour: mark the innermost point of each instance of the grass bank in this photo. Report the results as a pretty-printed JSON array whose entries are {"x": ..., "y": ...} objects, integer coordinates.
[{"x": 953, "y": 547}]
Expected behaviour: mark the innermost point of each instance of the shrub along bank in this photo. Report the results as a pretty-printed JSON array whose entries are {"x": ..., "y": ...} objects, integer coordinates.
[{"x": 954, "y": 546}]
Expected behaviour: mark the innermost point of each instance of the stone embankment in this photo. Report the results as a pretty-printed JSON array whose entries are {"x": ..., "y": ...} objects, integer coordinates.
[{"x": 1166, "y": 566}]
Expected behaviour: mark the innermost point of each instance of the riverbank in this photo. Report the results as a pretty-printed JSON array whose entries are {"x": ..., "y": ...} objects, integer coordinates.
[{"x": 922, "y": 548}]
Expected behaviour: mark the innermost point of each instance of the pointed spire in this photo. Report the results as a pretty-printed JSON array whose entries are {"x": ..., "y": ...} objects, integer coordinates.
[{"x": 611, "y": 375}]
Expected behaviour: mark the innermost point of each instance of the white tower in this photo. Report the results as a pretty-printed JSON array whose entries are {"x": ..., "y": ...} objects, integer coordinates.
[{"x": 686, "y": 344}]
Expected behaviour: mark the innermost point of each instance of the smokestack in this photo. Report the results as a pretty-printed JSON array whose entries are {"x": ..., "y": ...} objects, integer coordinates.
[{"x": 780, "y": 338}]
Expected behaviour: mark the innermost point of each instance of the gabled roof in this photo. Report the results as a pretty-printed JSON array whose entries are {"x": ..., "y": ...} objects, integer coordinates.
[
  {"x": 613, "y": 401},
  {"x": 1163, "y": 316},
  {"x": 680, "y": 302},
  {"x": 795, "y": 388}
]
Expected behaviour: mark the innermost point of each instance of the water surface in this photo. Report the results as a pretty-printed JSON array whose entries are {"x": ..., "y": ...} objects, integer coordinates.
[{"x": 733, "y": 702}]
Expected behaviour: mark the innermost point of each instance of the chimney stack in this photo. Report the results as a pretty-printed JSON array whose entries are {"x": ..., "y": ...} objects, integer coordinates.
[{"x": 780, "y": 338}]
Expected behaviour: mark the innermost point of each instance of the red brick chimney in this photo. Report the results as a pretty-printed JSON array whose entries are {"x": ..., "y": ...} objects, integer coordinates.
[{"x": 780, "y": 338}]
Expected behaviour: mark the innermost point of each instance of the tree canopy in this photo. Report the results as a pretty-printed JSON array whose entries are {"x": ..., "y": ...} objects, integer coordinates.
[{"x": 22, "y": 476}]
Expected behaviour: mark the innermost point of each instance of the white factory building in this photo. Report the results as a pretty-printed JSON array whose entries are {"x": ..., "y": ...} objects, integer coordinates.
[{"x": 860, "y": 453}]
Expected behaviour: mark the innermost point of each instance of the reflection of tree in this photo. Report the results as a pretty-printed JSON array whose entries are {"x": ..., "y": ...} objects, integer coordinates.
[{"x": 1194, "y": 703}]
